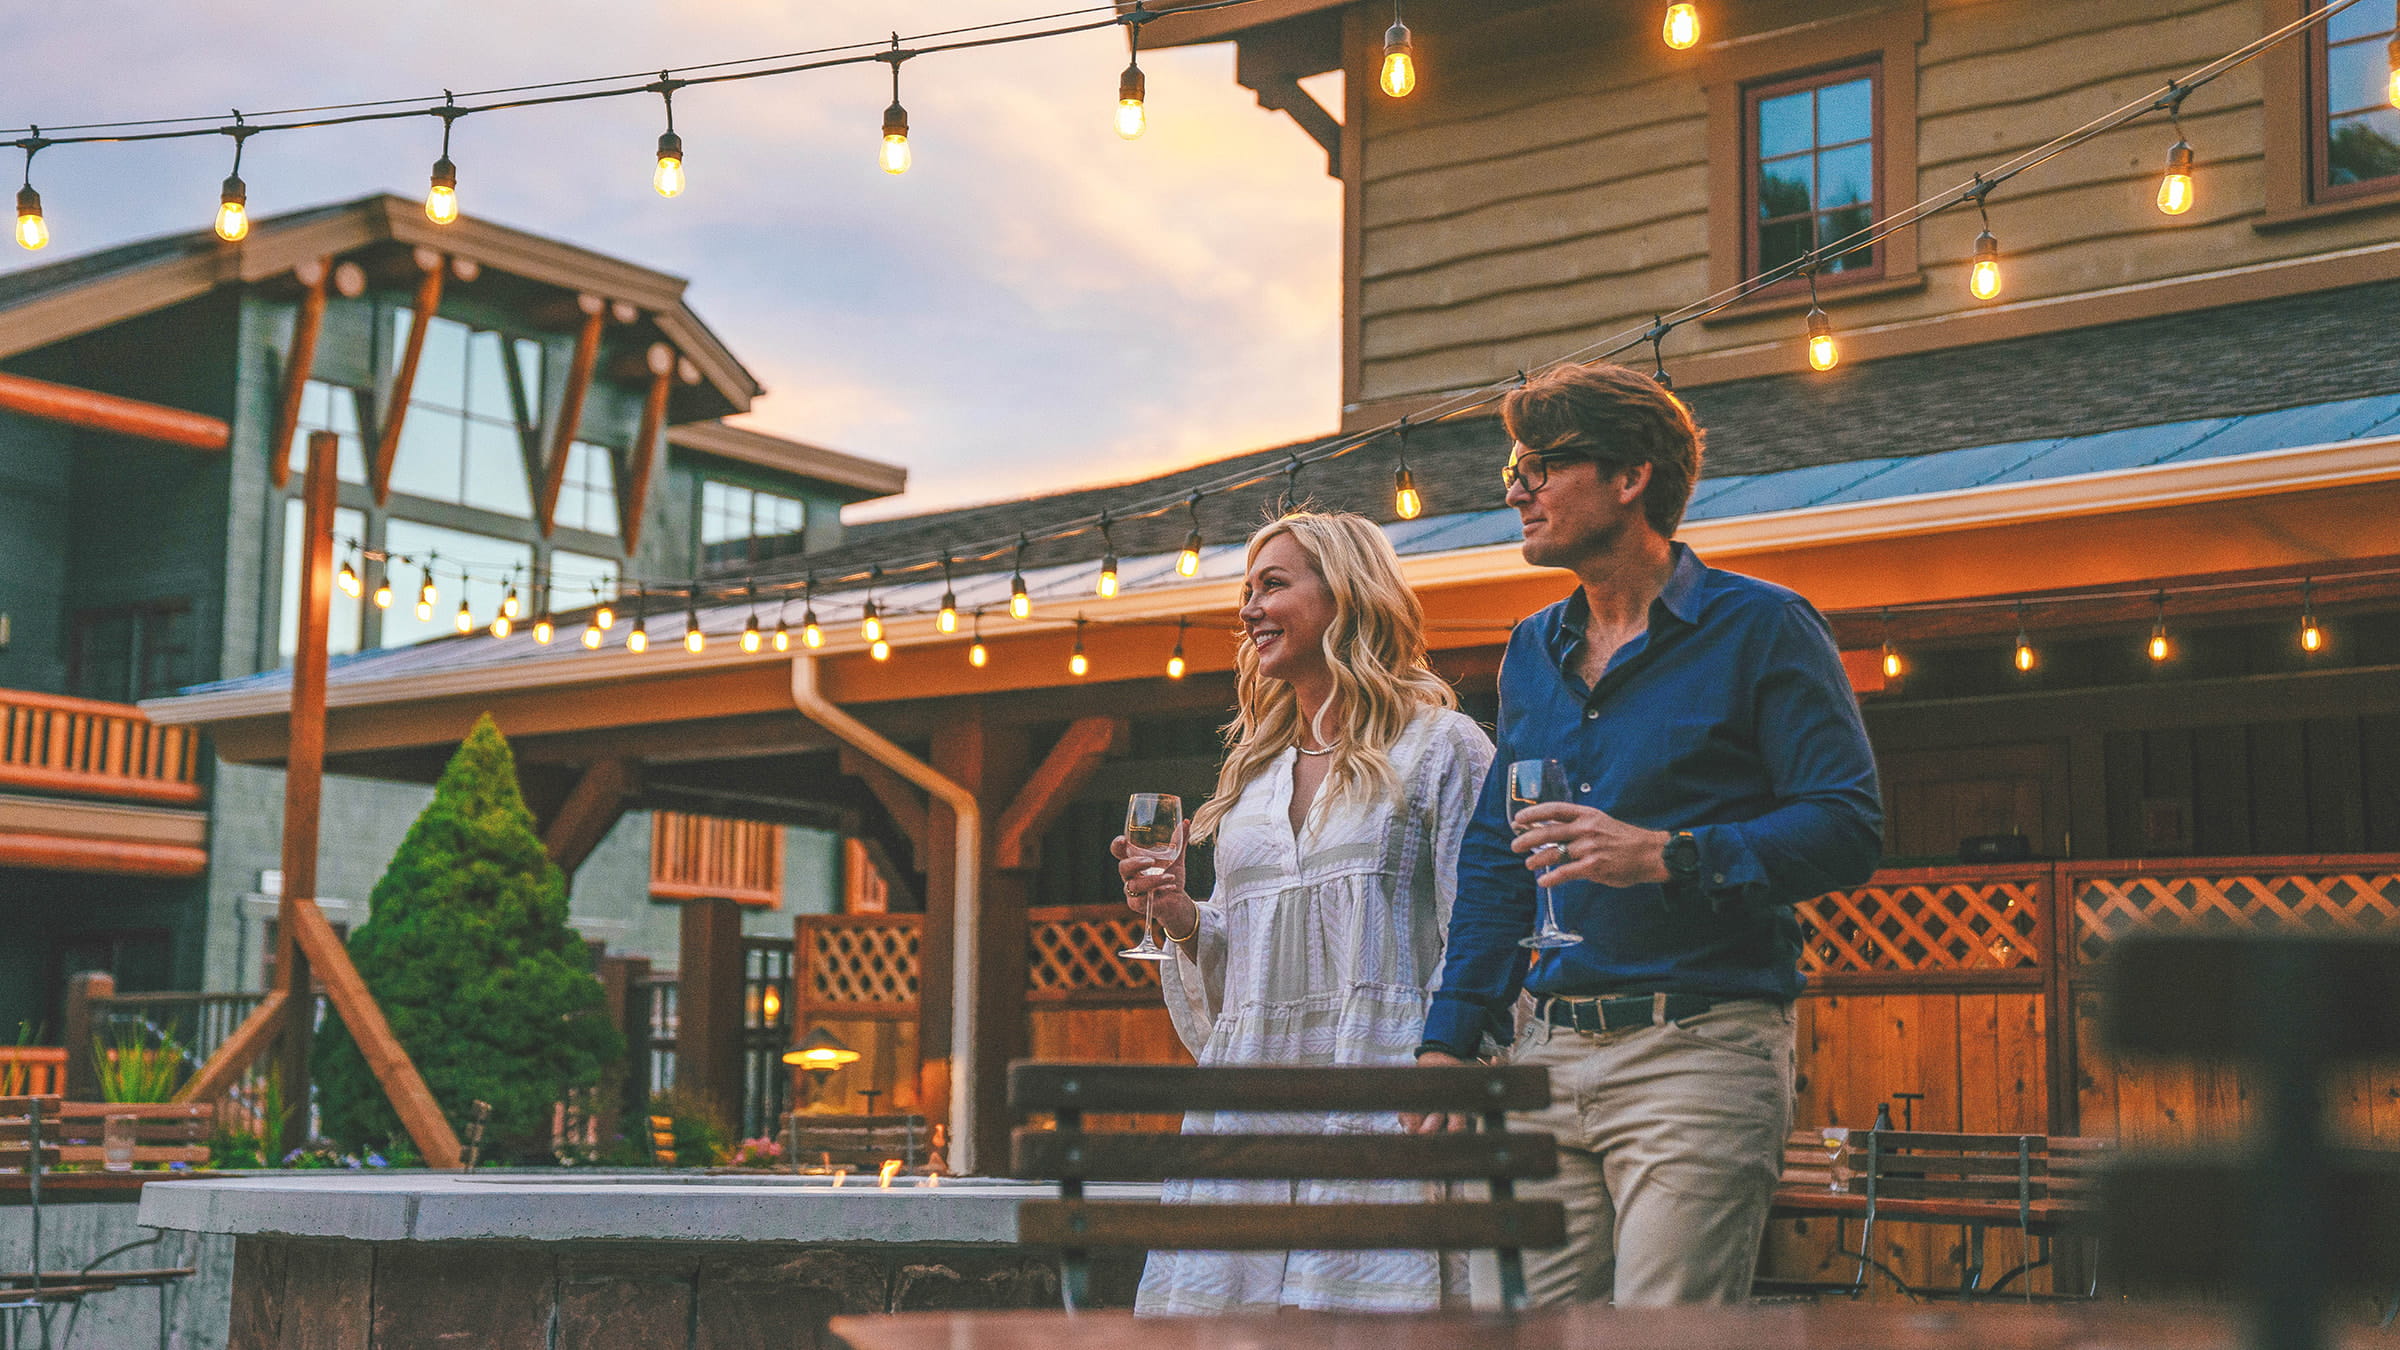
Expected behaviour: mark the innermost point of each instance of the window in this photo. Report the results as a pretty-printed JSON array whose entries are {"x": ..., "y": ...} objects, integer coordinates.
[
  {"x": 740, "y": 525},
  {"x": 490, "y": 563},
  {"x": 130, "y": 652},
  {"x": 348, "y": 612},
  {"x": 470, "y": 415},
  {"x": 1812, "y": 150},
  {"x": 2359, "y": 127},
  {"x": 580, "y": 579},
  {"x": 334, "y": 408},
  {"x": 587, "y": 495}
]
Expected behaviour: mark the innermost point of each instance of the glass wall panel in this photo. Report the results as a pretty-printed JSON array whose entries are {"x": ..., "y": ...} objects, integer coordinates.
[
  {"x": 348, "y": 612},
  {"x": 489, "y": 561}
]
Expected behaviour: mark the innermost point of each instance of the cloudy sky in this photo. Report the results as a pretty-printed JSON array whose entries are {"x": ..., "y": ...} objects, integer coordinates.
[{"x": 1037, "y": 303}]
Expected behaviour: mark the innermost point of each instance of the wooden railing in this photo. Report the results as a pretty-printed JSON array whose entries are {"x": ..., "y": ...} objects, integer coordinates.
[
  {"x": 33, "y": 1070},
  {"x": 699, "y": 857},
  {"x": 59, "y": 744}
]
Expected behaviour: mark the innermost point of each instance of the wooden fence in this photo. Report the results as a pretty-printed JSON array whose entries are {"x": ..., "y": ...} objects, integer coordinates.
[
  {"x": 57, "y": 744},
  {"x": 696, "y": 857}
]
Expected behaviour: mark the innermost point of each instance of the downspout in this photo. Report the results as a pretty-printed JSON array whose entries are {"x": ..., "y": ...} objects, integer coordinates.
[{"x": 967, "y": 908}]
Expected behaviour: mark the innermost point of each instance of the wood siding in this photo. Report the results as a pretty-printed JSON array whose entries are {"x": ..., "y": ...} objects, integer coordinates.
[{"x": 1548, "y": 185}]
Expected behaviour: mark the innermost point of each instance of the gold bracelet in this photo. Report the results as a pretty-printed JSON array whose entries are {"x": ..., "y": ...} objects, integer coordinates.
[{"x": 1162, "y": 927}]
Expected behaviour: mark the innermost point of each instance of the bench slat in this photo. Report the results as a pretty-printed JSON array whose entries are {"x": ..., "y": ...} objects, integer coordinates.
[
  {"x": 1050, "y": 1155},
  {"x": 1157, "y": 1088},
  {"x": 94, "y": 1153},
  {"x": 1089, "y": 1224}
]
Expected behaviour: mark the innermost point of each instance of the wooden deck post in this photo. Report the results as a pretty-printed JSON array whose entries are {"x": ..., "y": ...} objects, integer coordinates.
[
  {"x": 988, "y": 758},
  {"x": 79, "y": 1030},
  {"x": 708, "y": 1005}
]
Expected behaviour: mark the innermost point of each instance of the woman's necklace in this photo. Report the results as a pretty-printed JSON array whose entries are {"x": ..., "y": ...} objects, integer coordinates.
[{"x": 1306, "y": 751}]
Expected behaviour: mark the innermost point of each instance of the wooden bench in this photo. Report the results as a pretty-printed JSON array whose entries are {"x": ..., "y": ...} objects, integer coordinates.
[
  {"x": 38, "y": 1134},
  {"x": 1072, "y": 1156},
  {"x": 860, "y": 1143}
]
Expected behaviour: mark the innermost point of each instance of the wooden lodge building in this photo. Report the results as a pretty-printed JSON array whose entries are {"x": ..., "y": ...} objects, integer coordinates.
[{"x": 2183, "y": 428}]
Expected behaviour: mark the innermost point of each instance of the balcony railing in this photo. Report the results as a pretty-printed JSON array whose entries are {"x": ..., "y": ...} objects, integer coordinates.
[
  {"x": 698, "y": 857},
  {"x": 56, "y": 744}
]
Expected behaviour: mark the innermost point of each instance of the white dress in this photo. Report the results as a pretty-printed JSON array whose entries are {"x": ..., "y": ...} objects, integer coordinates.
[{"x": 1321, "y": 949}]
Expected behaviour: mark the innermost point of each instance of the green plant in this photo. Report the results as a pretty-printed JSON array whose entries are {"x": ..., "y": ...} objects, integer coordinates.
[
  {"x": 702, "y": 1137},
  {"x": 130, "y": 1069},
  {"x": 16, "y": 1076},
  {"x": 467, "y": 950}
]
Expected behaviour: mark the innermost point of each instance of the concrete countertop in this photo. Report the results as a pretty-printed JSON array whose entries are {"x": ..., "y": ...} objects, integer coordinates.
[{"x": 552, "y": 1207}]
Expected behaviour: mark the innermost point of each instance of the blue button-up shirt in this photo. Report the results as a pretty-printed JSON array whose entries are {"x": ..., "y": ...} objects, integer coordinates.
[{"x": 1729, "y": 716}]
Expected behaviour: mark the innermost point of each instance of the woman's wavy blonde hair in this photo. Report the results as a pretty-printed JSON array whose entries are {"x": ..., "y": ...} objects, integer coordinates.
[{"x": 1375, "y": 648}]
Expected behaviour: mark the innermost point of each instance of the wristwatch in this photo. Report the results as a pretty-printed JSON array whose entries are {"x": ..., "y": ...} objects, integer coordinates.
[{"x": 1682, "y": 856}]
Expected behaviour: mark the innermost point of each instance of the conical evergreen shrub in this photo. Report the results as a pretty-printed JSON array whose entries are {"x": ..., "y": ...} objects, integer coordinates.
[{"x": 466, "y": 947}]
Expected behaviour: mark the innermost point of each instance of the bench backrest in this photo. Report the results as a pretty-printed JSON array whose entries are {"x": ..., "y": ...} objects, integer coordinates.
[
  {"x": 22, "y": 1121},
  {"x": 853, "y": 1141},
  {"x": 163, "y": 1132},
  {"x": 2010, "y": 1168}
]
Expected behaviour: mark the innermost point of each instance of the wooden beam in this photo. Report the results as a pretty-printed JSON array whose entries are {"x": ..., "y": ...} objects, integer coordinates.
[
  {"x": 591, "y": 809},
  {"x": 1087, "y": 742},
  {"x": 233, "y": 1056},
  {"x": 108, "y": 412},
  {"x": 419, "y": 1114},
  {"x": 105, "y": 857},
  {"x": 570, "y": 409},
  {"x": 635, "y": 499},
  {"x": 298, "y": 364},
  {"x": 900, "y": 799},
  {"x": 304, "y": 771},
  {"x": 404, "y": 383}
]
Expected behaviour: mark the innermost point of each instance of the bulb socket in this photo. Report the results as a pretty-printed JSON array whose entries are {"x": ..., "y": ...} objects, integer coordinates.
[
  {"x": 1395, "y": 40},
  {"x": 1987, "y": 248},
  {"x": 1132, "y": 86},
  {"x": 670, "y": 146},
  {"x": 2179, "y": 158},
  {"x": 445, "y": 173},
  {"x": 29, "y": 202},
  {"x": 234, "y": 193},
  {"x": 895, "y": 120}
]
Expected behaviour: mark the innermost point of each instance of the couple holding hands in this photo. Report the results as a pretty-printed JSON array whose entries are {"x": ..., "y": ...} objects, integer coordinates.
[{"x": 1377, "y": 881}]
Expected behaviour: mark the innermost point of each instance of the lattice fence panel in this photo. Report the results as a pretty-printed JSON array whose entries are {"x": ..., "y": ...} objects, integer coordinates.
[
  {"x": 2107, "y": 908},
  {"x": 1073, "y": 954},
  {"x": 1977, "y": 925},
  {"x": 866, "y": 965}
]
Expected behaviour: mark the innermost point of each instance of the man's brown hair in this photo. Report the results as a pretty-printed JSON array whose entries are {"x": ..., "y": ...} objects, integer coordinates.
[{"x": 1620, "y": 418}]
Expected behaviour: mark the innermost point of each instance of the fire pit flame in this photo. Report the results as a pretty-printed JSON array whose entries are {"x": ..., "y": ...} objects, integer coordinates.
[{"x": 891, "y": 1168}]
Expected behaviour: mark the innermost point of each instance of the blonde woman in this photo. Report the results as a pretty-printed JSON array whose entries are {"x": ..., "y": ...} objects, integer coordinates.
[{"x": 1337, "y": 817}]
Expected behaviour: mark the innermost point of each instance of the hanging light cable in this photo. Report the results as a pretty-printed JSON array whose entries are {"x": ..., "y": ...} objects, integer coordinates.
[
  {"x": 977, "y": 656},
  {"x": 895, "y": 156},
  {"x": 947, "y": 619},
  {"x": 668, "y": 178},
  {"x": 1291, "y": 485},
  {"x": 2312, "y": 638},
  {"x": 2160, "y": 649},
  {"x": 638, "y": 640},
  {"x": 1657, "y": 337},
  {"x": 1681, "y": 30},
  {"x": 441, "y": 195},
  {"x": 1077, "y": 662},
  {"x": 1106, "y": 586},
  {"x": 543, "y": 629},
  {"x": 2025, "y": 658},
  {"x": 783, "y": 627},
  {"x": 870, "y": 620},
  {"x": 2175, "y": 191},
  {"x": 33, "y": 232},
  {"x": 427, "y": 596},
  {"x": 508, "y": 602},
  {"x": 752, "y": 640},
  {"x": 812, "y": 633},
  {"x": 1822, "y": 353},
  {"x": 1399, "y": 77},
  {"x": 694, "y": 641},
  {"x": 465, "y": 619},
  {"x": 1405, "y": 501},
  {"x": 383, "y": 584},
  {"x": 604, "y": 615},
  {"x": 1020, "y": 602},
  {"x": 1175, "y": 665},
  {"x": 1187, "y": 562},
  {"x": 233, "y": 200},
  {"x": 1133, "y": 86},
  {"x": 347, "y": 578},
  {"x": 1983, "y": 277}
]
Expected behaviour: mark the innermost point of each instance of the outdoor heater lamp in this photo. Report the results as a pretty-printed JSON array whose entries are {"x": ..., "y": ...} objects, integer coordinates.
[{"x": 819, "y": 1055}]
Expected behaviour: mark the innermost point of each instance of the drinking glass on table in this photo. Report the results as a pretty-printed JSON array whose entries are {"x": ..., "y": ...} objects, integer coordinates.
[
  {"x": 1531, "y": 781},
  {"x": 1153, "y": 834},
  {"x": 1837, "y": 1143}
]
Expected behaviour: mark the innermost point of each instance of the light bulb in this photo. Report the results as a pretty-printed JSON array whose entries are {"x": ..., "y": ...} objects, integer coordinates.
[
  {"x": 783, "y": 636},
  {"x": 947, "y": 620},
  {"x": 1188, "y": 561},
  {"x": 501, "y": 627},
  {"x": 894, "y": 156},
  {"x": 591, "y": 637},
  {"x": 1682, "y": 28},
  {"x": 1078, "y": 664},
  {"x": 2392, "y": 57},
  {"x": 383, "y": 594},
  {"x": 32, "y": 230},
  {"x": 1399, "y": 62},
  {"x": 2312, "y": 638},
  {"x": 978, "y": 657},
  {"x": 1175, "y": 663},
  {"x": 752, "y": 639},
  {"x": 2175, "y": 190},
  {"x": 2158, "y": 646},
  {"x": 465, "y": 622},
  {"x": 1892, "y": 664},
  {"x": 2025, "y": 657},
  {"x": 233, "y": 212},
  {"x": 669, "y": 178},
  {"x": 441, "y": 197},
  {"x": 638, "y": 640},
  {"x": 424, "y": 611},
  {"x": 695, "y": 641},
  {"x": 508, "y": 603},
  {"x": 347, "y": 579},
  {"x": 870, "y": 627},
  {"x": 1106, "y": 586},
  {"x": 812, "y": 634},
  {"x": 881, "y": 651},
  {"x": 1822, "y": 353},
  {"x": 1404, "y": 495},
  {"x": 1131, "y": 88},
  {"x": 1020, "y": 605},
  {"x": 605, "y": 617},
  {"x": 1983, "y": 282}
]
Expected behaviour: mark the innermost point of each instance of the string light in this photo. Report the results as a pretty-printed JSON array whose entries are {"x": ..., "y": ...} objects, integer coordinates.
[
  {"x": 1132, "y": 86},
  {"x": 947, "y": 620},
  {"x": 668, "y": 178},
  {"x": 812, "y": 633},
  {"x": 33, "y": 232},
  {"x": 1187, "y": 562},
  {"x": 1399, "y": 58},
  {"x": 752, "y": 640},
  {"x": 2175, "y": 191},
  {"x": 881, "y": 651},
  {"x": 870, "y": 620},
  {"x": 894, "y": 155},
  {"x": 1020, "y": 603},
  {"x": 1983, "y": 279},
  {"x": 604, "y": 616},
  {"x": 1893, "y": 666},
  {"x": 783, "y": 627},
  {"x": 441, "y": 194},
  {"x": 1078, "y": 663},
  {"x": 1822, "y": 353},
  {"x": 1106, "y": 586},
  {"x": 1405, "y": 500},
  {"x": 465, "y": 621},
  {"x": 1682, "y": 28},
  {"x": 638, "y": 640},
  {"x": 2160, "y": 649},
  {"x": 233, "y": 200},
  {"x": 1175, "y": 662},
  {"x": 977, "y": 656},
  {"x": 427, "y": 596},
  {"x": 593, "y": 633},
  {"x": 383, "y": 588},
  {"x": 347, "y": 579},
  {"x": 501, "y": 627},
  {"x": 2391, "y": 56},
  {"x": 694, "y": 641},
  {"x": 508, "y": 603},
  {"x": 2025, "y": 658},
  {"x": 2312, "y": 638}
]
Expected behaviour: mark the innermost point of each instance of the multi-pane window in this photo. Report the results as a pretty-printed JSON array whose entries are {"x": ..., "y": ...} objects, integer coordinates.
[
  {"x": 348, "y": 612},
  {"x": 740, "y": 525},
  {"x": 2361, "y": 128},
  {"x": 587, "y": 494},
  {"x": 490, "y": 564},
  {"x": 470, "y": 416},
  {"x": 578, "y": 579},
  {"x": 1812, "y": 169},
  {"x": 334, "y": 408}
]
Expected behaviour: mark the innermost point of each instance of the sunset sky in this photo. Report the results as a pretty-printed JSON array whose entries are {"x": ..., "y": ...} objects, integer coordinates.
[{"x": 1037, "y": 303}]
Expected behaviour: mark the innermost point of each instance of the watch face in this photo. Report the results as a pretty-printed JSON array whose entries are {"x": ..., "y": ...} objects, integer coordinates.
[{"x": 1682, "y": 852}]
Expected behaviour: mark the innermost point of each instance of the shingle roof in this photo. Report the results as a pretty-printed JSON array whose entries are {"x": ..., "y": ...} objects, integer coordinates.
[{"x": 32, "y": 283}]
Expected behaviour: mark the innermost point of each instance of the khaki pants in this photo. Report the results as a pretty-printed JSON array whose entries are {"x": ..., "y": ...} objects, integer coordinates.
[{"x": 1670, "y": 1139}]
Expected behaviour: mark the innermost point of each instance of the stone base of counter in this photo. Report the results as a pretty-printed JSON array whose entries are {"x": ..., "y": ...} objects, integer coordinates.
[{"x": 607, "y": 1295}]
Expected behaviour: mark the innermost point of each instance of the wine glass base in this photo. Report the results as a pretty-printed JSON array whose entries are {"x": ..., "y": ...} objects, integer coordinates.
[
  {"x": 1142, "y": 954},
  {"x": 1543, "y": 942}
]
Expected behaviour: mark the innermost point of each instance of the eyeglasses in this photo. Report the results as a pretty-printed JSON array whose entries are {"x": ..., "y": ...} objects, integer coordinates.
[{"x": 1531, "y": 470}]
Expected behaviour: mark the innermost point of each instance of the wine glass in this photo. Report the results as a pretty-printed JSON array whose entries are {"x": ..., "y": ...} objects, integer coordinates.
[
  {"x": 1531, "y": 781},
  {"x": 1837, "y": 1141},
  {"x": 1154, "y": 834}
]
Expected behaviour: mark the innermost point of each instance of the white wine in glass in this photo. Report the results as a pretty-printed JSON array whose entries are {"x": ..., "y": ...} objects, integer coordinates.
[
  {"x": 1153, "y": 834},
  {"x": 1531, "y": 781}
]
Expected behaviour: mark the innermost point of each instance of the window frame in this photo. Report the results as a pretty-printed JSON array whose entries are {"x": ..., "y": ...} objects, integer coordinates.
[
  {"x": 751, "y": 556},
  {"x": 1758, "y": 92},
  {"x": 2294, "y": 76},
  {"x": 2316, "y": 82}
]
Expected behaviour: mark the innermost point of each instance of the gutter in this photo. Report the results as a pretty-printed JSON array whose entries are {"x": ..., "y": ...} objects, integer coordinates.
[{"x": 966, "y": 908}]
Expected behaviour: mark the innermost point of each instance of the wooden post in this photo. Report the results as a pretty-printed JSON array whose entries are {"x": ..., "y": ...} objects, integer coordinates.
[
  {"x": 298, "y": 365},
  {"x": 708, "y": 1005},
  {"x": 304, "y": 781},
  {"x": 635, "y": 501},
  {"x": 621, "y": 980},
  {"x": 570, "y": 410},
  {"x": 988, "y": 758},
  {"x": 79, "y": 1031},
  {"x": 404, "y": 382}
]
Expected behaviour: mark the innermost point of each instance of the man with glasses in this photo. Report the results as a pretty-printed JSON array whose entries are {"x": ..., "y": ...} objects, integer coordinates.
[{"x": 1718, "y": 772}]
